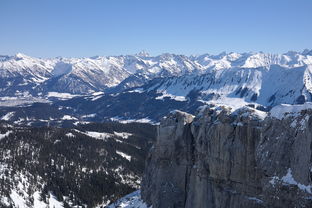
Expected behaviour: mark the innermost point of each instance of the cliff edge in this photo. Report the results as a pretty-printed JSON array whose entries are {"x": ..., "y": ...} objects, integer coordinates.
[{"x": 227, "y": 159}]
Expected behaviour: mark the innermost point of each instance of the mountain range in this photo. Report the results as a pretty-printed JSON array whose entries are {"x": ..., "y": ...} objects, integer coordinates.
[
  {"x": 24, "y": 74},
  {"x": 251, "y": 107},
  {"x": 146, "y": 88}
]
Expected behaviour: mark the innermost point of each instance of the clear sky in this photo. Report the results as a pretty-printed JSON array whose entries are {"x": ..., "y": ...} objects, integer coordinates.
[{"x": 79, "y": 28}]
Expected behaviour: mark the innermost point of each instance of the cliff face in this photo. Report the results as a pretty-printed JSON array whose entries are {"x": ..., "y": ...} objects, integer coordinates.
[{"x": 226, "y": 160}]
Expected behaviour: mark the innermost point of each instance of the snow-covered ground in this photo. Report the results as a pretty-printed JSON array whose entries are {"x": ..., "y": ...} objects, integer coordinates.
[
  {"x": 5, "y": 134},
  {"x": 123, "y": 135},
  {"x": 96, "y": 135},
  {"x": 7, "y": 116},
  {"x": 132, "y": 200},
  {"x": 124, "y": 155},
  {"x": 142, "y": 120},
  {"x": 283, "y": 110},
  {"x": 62, "y": 96}
]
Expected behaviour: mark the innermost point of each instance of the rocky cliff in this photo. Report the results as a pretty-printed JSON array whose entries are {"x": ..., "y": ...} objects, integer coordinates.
[{"x": 227, "y": 159}]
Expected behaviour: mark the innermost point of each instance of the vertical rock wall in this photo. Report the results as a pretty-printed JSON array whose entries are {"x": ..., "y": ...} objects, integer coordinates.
[{"x": 229, "y": 160}]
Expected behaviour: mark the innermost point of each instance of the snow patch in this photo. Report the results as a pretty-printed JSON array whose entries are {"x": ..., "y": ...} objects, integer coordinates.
[
  {"x": 132, "y": 200},
  {"x": 96, "y": 135},
  {"x": 54, "y": 203},
  {"x": 61, "y": 68},
  {"x": 18, "y": 200},
  {"x": 141, "y": 120},
  {"x": 70, "y": 134},
  {"x": 62, "y": 96},
  {"x": 288, "y": 179},
  {"x": 128, "y": 157},
  {"x": 68, "y": 117},
  {"x": 173, "y": 97},
  {"x": 5, "y": 135},
  {"x": 7, "y": 116},
  {"x": 284, "y": 110},
  {"x": 138, "y": 90},
  {"x": 123, "y": 135},
  {"x": 89, "y": 115}
]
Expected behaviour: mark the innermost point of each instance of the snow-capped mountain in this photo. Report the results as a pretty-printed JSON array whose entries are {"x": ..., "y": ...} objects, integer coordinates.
[
  {"x": 139, "y": 88},
  {"x": 253, "y": 60},
  {"x": 267, "y": 86},
  {"x": 22, "y": 74},
  {"x": 145, "y": 87}
]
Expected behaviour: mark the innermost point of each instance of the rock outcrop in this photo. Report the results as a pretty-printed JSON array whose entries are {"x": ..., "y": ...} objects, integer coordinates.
[{"x": 227, "y": 159}]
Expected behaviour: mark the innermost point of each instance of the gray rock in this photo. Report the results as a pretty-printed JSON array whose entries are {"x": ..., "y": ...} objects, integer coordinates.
[{"x": 229, "y": 160}]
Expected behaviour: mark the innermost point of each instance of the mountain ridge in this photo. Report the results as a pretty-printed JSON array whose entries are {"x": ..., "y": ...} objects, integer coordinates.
[{"x": 35, "y": 75}]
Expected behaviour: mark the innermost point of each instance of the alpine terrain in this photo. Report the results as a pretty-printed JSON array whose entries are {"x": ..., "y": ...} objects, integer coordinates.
[{"x": 225, "y": 131}]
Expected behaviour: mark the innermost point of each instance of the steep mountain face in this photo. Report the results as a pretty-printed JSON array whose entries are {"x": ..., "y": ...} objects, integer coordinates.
[
  {"x": 22, "y": 74},
  {"x": 222, "y": 158},
  {"x": 61, "y": 168},
  {"x": 261, "y": 88},
  {"x": 264, "y": 86}
]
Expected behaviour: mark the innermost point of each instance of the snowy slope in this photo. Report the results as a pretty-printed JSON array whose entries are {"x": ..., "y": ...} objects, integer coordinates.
[
  {"x": 24, "y": 74},
  {"x": 132, "y": 200},
  {"x": 267, "y": 86},
  {"x": 262, "y": 87},
  {"x": 88, "y": 166}
]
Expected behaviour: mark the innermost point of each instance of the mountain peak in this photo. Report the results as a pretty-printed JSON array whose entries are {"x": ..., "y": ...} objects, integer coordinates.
[
  {"x": 143, "y": 53},
  {"x": 21, "y": 56}
]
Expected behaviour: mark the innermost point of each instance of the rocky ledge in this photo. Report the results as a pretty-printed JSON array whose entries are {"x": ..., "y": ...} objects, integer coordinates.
[{"x": 227, "y": 159}]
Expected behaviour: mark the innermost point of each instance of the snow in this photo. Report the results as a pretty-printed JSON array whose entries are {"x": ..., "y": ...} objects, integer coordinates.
[
  {"x": 54, "y": 203},
  {"x": 37, "y": 201},
  {"x": 137, "y": 90},
  {"x": 96, "y": 135},
  {"x": 283, "y": 110},
  {"x": 236, "y": 106},
  {"x": 61, "y": 68},
  {"x": 132, "y": 200},
  {"x": 268, "y": 85},
  {"x": 76, "y": 123},
  {"x": 20, "y": 99},
  {"x": 173, "y": 97},
  {"x": 233, "y": 103},
  {"x": 97, "y": 93},
  {"x": 68, "y": 117},
  {"x": 89, "y": 115},
  {"x": 5, "y": 134},
  {"x": 123, "y": 135},
  {"x": 7, "y": 116},
  {"x": 263, "y": 74},
  {"x": 4, "y": 200},
  {"x": 250, "y": 112},
  {"x": 288, "y": 179},
  {"x": 70, "y": 134},
  {"x": 128, "y": 157},
  {"x": 62, "y": 96},
  {"x": 19, "y": 193},
  {"x": 18, "y": 200},
  {"x": 96, "y": 97},
  {"x": 141, "y": 120}
]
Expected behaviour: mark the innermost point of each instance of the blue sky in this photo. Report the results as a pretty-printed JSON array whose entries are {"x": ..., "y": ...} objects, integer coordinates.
[{"x": 79, "y": 28}]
